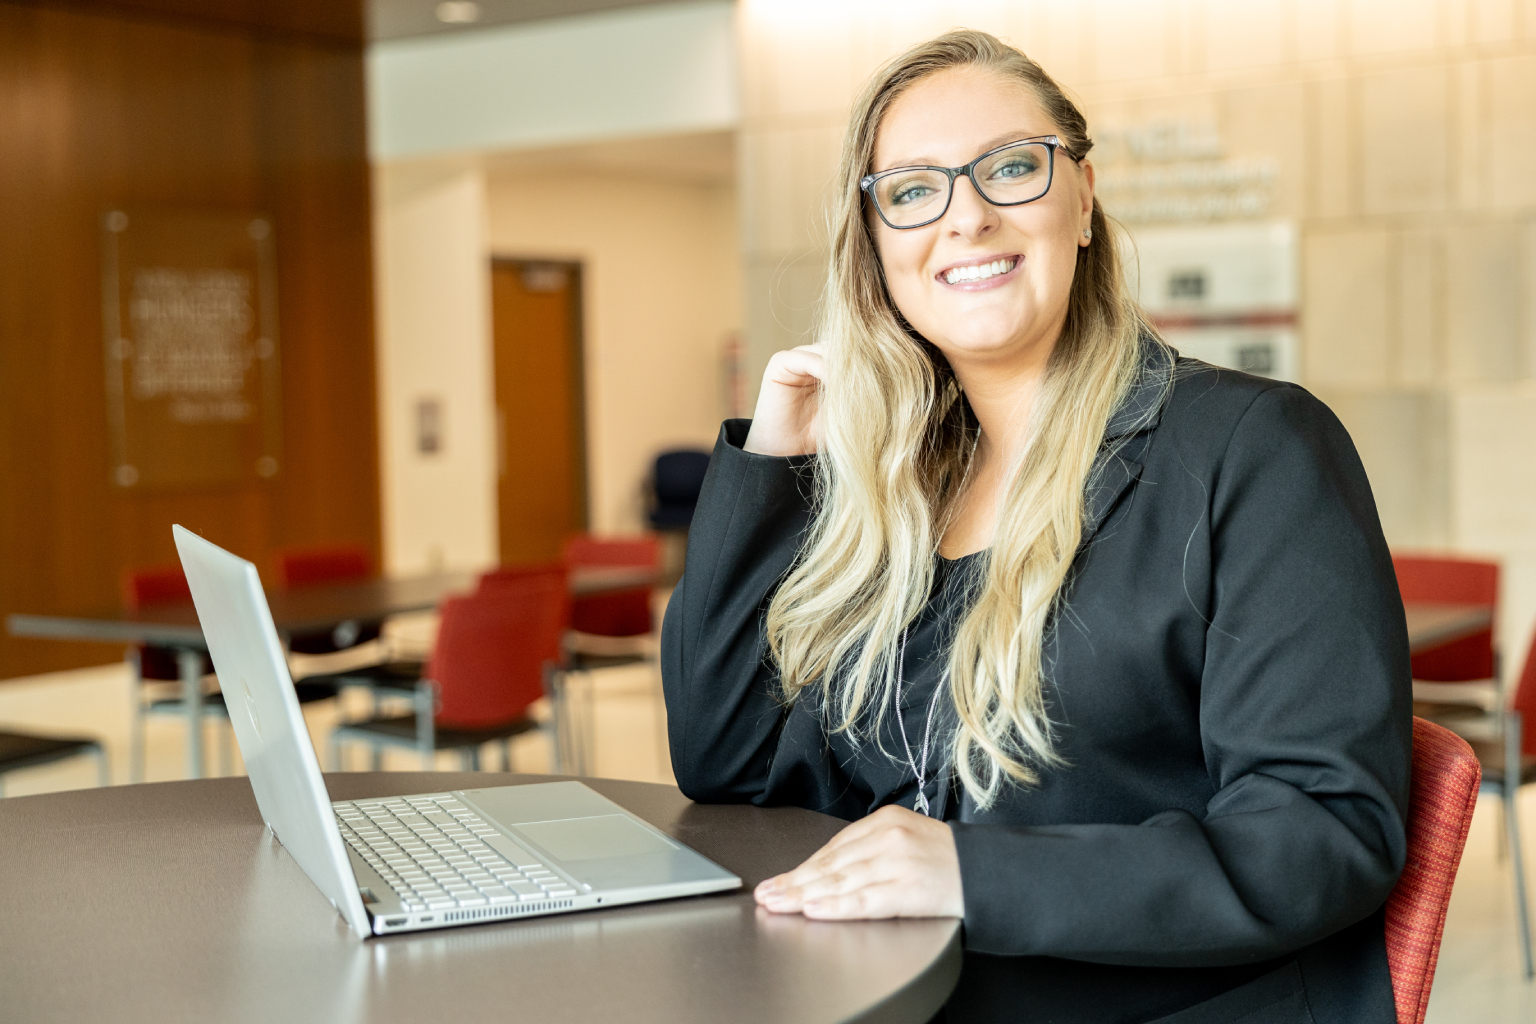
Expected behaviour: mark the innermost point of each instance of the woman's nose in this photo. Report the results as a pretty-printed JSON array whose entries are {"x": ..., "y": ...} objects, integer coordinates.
[{"x": 969, "y": 215}]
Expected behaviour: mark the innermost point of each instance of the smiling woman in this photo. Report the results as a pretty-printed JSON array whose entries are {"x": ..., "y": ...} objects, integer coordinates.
[{"x": 1121, "y": 630}]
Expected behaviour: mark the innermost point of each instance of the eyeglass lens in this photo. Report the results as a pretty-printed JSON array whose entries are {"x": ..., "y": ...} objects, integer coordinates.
[{"x": 1018, "y": 174}]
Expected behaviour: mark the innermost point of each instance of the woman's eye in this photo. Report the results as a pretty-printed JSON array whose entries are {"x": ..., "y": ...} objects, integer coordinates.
[
  {"x": 1017, "y": 167},
  {"x": 910, "y": 192}
]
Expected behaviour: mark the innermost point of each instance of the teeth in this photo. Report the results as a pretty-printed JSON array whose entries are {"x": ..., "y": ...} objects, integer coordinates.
[{"x": 978, "y": 272}]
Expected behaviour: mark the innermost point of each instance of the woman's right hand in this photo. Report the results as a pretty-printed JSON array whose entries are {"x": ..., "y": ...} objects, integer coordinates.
[{"x": 788, "y": 416}]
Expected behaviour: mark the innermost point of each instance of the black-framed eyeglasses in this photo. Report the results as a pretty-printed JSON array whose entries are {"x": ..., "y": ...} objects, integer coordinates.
[{"x": 1010, "y": 175}]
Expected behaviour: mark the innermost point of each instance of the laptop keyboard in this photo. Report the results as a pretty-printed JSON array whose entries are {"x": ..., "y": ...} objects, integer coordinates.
[{"x": 438, "y": 854}]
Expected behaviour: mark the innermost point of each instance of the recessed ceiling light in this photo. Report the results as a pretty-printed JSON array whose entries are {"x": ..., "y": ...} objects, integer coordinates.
[{"x": 458, "y": 12}]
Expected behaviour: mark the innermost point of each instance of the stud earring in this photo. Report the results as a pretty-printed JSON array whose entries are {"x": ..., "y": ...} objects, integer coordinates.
[{"x": 1088, "y": 232}]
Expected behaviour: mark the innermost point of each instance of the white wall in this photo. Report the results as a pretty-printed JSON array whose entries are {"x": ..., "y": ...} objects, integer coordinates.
[
  {"x": 644, "y": 71},
  {"x": 661, "y": 290},
  {"x": 434, "y": 342}
]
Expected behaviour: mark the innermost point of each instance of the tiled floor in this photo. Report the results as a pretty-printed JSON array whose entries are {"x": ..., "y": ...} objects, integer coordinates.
[{"x": 1478, "y": 981}]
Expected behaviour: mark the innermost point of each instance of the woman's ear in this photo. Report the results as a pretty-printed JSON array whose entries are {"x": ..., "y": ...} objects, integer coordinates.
[{"x": 1085, "y": 211}]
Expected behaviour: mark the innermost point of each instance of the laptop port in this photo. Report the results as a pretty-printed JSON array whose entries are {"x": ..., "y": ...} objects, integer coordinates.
[{"x": 394, "y": 921}]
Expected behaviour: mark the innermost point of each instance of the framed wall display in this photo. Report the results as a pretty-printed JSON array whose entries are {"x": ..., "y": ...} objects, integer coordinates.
[{"x": 189, "y": 313}]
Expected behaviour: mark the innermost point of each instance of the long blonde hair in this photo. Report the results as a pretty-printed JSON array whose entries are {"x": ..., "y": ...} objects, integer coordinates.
[{"x": 893, "y": 453}]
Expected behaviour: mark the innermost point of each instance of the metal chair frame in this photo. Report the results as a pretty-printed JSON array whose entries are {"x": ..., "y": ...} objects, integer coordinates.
[{"x": 84, "y": 747}]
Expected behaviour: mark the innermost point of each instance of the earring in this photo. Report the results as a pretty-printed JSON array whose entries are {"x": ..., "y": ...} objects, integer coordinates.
[{"x": 1088, "y": 233}]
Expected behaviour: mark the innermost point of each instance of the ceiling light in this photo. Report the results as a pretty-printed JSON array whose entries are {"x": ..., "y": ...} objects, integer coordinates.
[{"x": 458, "y": 12}]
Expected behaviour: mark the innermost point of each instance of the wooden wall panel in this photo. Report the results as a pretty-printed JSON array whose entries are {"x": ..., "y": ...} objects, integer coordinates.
[{"x": 96, "y": 112}]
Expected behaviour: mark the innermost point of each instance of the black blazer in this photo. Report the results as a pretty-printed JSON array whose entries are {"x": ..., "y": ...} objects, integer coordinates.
[{"x": 1228, "y": 675}]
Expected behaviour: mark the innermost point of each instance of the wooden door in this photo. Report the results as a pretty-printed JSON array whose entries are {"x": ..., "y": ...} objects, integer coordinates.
[{"x": 536, "y": 313}]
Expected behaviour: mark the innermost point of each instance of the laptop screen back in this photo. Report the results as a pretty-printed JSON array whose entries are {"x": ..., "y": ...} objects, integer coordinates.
[{"x": 264, "y": 711}]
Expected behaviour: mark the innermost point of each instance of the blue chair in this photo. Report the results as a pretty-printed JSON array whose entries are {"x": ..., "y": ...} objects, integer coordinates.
[{"x": 676, "y": 482}]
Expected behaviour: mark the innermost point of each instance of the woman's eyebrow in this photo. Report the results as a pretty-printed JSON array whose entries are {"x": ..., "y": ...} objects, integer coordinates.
[{"x": 986, "y": 147}]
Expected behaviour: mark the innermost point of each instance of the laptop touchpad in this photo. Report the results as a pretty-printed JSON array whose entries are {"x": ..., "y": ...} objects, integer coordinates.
[{"x": 609, "y": 835}]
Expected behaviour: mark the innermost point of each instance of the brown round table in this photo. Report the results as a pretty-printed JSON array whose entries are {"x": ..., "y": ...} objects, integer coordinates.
[{"x": 169, "y": 902}]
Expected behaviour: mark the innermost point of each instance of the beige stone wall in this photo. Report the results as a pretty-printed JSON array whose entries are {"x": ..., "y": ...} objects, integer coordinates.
[{"x": 1401, "y": 135}]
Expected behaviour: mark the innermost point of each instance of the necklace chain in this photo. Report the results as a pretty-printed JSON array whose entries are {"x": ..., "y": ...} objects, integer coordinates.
[{"x": 919, "y": 764}]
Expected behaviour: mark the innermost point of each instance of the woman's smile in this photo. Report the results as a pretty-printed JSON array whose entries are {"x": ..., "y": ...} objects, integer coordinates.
[{"x": 981, "y": 273}]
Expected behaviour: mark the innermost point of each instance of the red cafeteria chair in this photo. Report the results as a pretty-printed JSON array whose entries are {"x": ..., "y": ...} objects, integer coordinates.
[
  {"x": 608, "y": 630},
  {"x": 155, "y": 669},
  {"x": 491, "y": 660},
  {"x": 1452, "y": 581},
  {"x": 298, "y": 568},
  {"x": 1507, "y": 752},
  {"x": 1481, "y": 713},
  {"x": 1442, "y": 796},
  {"x": 159, "y": 667},
  {"x": 619, "y": 613}
]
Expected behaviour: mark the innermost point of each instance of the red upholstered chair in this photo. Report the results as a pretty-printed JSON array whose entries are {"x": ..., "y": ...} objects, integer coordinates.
[
  {"x": 510, "y": 576},
  {"x": 154, "y": 669},
  {"x": 608, "y": 630},
  {"x": 1441, "y": 799},
  {"x": 159, "y": 667},
  {"x": 306, "y": 567},
  {"x": 619, "y": 613},
  {"x": 1507, "y": 752},
  {"x": 1452, "y": 581},
  {"x": 489, "y": 663},
  {"x": 298, "y": 568}
]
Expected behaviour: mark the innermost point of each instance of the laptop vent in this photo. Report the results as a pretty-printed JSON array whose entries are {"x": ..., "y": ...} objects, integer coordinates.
[{"x": 522, "y": 908}]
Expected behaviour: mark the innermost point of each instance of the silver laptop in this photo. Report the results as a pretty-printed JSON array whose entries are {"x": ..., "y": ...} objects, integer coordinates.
[{"x": 431, "y": 860}]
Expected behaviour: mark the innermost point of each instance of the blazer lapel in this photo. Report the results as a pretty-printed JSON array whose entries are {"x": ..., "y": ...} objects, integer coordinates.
[
  {"x": 1115, "y": 471},
  {"x": 1112, "y": 478}
]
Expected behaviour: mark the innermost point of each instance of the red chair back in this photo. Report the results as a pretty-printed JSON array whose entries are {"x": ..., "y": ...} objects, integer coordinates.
[
  {"x": 619, "y": 612},
  {"x": 1525, "y": 701},
  {"x": 154, "y": 584},
  {"x": 488, "y": 662},
  {"x": 151, "y": 585},
  {"x": 508, "y": 575},
  {"x": 1451, "y": 581},
  {"x": 1442, "y": 796},
  {"x": 338, "y": 563}
]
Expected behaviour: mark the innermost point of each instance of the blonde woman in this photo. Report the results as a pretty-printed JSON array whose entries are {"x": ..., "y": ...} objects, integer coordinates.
[{"x": 1099, "y": 649}]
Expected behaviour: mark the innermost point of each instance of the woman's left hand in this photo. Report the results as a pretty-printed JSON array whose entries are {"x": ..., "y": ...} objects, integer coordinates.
[{"x": 894, "y": 863}]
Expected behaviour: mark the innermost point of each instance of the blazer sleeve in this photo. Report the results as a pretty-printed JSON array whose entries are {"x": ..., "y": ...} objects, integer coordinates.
[
  {"x": 724, "y": 717},
  {"x": 1306, "y": 729}
]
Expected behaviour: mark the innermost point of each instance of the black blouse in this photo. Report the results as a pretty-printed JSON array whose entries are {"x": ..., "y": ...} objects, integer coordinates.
[{"x": 1228, "y": 679}]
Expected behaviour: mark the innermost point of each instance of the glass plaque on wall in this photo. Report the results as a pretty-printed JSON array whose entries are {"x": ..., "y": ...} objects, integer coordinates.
[{"x": 189, "y": 309}]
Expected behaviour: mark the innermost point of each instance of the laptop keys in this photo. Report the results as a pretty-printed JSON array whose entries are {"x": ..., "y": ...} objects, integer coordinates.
[{"x": 435, "y": 853}]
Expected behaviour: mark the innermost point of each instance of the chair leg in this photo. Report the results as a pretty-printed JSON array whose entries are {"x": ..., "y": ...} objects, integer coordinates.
[
  {"x": 426, "y": 711},
  {"x": 335, "y": 752},
  {"x": 659, "y": 704},
  {"x": 103, "y": 773},
  {"x": 376, "y": 759},
  {"x": 136, "y": 718},
  {"x": 506, "y": 755},
  {"x": 226, "y": 756},
  {"x": 1510, "y": 793}
]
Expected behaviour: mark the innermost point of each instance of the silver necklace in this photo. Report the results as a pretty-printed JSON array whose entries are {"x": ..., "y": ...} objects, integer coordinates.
[{"x": 919, "y": 764}]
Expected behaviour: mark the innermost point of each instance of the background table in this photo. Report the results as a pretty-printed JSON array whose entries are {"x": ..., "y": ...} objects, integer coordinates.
[
  {"x": 168, "y": 902},
  {"x": 1430, "y": 625},
  {"x": 314, "y": 609}
]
